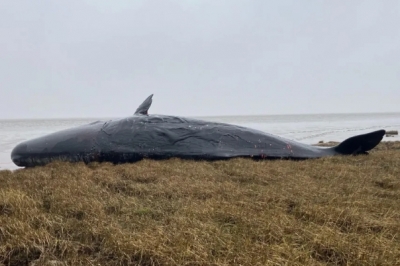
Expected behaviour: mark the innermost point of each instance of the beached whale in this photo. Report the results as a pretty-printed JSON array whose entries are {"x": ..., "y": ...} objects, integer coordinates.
[{"x": 161, "y": 137}]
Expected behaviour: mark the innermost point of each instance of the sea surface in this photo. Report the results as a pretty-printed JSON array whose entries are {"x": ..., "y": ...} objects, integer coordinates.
[{"x": 308, "y": 129}]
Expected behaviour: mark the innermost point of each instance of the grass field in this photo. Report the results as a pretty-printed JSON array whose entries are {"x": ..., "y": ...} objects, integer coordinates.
[{"x": 342, "y": 210}]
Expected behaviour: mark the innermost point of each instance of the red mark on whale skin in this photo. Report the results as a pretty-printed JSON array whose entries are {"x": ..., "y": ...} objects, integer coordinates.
[{"x": 289, "y": 147}]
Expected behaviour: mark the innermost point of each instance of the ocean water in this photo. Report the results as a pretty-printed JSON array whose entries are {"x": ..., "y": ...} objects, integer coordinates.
[{"x": 303, "y": 128}]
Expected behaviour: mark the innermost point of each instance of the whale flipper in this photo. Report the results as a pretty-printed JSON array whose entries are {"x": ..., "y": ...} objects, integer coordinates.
[
  {"x": 144, "y": 107},
  {"x": 360, "y": 144}
]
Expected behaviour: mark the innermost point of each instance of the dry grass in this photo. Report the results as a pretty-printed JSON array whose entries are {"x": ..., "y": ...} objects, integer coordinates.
[{"x": 340, "y": 210}]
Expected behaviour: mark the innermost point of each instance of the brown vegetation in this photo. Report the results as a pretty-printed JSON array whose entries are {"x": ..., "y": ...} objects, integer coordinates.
[{"x": 342, "y": 210}]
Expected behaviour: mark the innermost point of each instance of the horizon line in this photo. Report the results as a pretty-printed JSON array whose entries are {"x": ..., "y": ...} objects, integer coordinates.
[{"x": 203, "y": 116}]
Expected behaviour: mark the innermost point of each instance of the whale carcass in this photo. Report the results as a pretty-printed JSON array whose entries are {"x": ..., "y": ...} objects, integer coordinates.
[{"x": 161, "y": 137}]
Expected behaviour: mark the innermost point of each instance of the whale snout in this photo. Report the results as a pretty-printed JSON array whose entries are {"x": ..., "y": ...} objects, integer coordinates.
[{"x": 19, "y": 153}]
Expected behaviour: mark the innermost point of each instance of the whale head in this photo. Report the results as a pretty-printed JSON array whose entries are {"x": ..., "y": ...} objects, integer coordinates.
[{"x": 67, "y": 145}]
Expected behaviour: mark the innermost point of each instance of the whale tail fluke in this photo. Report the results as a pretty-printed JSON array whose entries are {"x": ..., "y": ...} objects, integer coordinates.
[{"x": 360, "y": 144}]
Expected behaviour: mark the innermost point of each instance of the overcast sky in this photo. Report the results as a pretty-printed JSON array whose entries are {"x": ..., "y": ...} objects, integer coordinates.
[{"x": 101, "y": 58}]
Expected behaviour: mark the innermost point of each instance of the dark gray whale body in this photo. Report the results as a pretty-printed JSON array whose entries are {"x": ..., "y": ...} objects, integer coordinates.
[{"x": 161, "y": 137}]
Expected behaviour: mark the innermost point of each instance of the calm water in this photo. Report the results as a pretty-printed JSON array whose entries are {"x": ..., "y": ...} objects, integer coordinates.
[{"x": 304, "y": 128}]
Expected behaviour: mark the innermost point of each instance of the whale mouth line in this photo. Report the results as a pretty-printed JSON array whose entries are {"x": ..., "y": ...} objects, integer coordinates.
[{"x": 36, "y": 159}]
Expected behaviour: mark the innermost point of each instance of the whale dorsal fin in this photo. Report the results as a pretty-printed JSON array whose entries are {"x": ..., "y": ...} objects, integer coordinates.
[{"x": 144, "y": 107}]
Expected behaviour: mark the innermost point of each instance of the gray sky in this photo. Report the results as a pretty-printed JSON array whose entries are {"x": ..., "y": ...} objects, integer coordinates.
[{"x": 98, "y": 58}]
